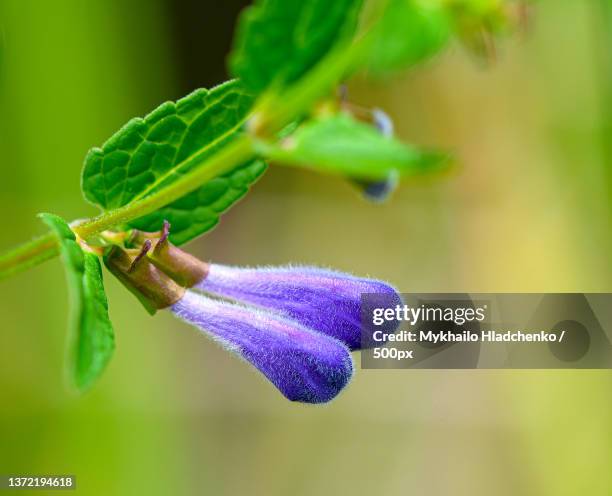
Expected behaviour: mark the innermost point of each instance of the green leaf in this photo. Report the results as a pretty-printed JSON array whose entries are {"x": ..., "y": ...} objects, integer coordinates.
[
  {"x": 148, "y": 154},
  {"x": 408, "y": 32},
  {"x": 339, "y": 144},
  {"x": 277, "y": 41},
  {"x": 91, "y": 339}
]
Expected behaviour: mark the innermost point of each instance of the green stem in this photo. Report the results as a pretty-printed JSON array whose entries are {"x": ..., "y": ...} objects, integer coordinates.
[
  {"x": 37, "y": 251},
  {"x": 271, "y": 115},
  {"x": 28, "y": 255},
  {"x": 275, "y": 112}
]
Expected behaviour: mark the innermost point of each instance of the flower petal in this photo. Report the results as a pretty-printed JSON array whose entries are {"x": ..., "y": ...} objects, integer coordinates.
[
  {"x": 304, "y": 365},
  {"x": 326, "y": 301}
]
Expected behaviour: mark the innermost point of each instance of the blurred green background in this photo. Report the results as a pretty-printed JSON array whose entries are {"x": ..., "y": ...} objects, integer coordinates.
[{"x": 528, "y": 208}]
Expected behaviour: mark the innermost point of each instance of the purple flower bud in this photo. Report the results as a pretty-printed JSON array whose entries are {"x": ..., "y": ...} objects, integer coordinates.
[
  {"x": 323, "y": 300},
  {"x": 304, "y": 365},
  {"x": 380, "y": 191},
  {"x": 383, "y": 122}
]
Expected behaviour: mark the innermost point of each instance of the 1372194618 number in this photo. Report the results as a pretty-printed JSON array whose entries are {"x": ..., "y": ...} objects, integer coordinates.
[{"x": 42, "y": 482}]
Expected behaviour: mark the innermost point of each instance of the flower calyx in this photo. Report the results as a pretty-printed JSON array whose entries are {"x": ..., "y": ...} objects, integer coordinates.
[{"x": 153, "y": 269}]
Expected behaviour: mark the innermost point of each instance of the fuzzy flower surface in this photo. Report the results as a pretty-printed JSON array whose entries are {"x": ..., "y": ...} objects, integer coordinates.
[
  {"x": 323, "y": 300},
  {"x": 304, "y": 365},
  {"x": 296, "y": 325}
]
